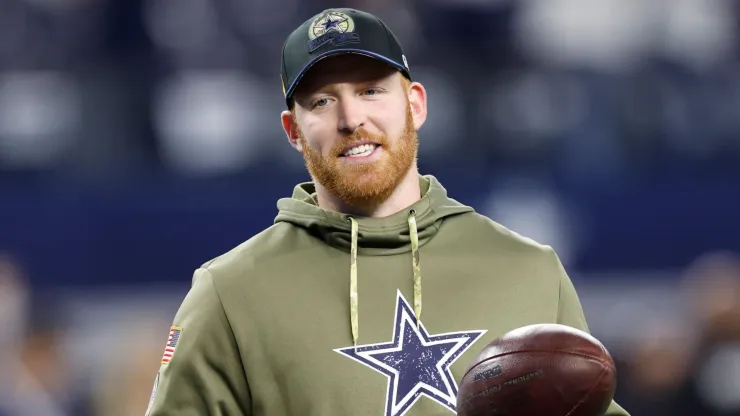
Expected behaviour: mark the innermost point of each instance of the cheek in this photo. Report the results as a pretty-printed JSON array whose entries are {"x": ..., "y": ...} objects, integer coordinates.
[
  {"x": 309, "y": 133},
  {"x": 394, "y": 120},
  {"x": 316, "y": 142}
]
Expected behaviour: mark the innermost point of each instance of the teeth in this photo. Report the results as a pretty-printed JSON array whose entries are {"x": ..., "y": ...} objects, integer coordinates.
[{"x": 361, "y": 150}]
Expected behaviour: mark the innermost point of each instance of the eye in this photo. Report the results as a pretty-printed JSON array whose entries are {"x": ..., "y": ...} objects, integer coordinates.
[
  {"x": 371, "y": 91},
  {"x": 321, "y": 102}
]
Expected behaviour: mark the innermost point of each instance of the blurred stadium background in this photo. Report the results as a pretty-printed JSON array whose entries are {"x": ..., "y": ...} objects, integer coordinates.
[{"x": 140, "y": 138}]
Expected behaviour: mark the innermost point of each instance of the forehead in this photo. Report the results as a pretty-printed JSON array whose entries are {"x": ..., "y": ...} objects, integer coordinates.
[{"x": 345, "y": 68}]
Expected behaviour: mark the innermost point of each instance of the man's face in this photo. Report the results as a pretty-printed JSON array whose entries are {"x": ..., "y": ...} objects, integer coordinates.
[{"x": 355, "y": 128}]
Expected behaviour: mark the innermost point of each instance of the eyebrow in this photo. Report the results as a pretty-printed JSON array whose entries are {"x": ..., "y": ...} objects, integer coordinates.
[
  {"x": 308, "y": 91},
  {"x": 374, "y": 80}
]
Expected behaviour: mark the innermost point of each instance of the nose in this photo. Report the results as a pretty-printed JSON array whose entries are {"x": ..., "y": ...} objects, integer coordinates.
[{"x": 351, "y": 116}]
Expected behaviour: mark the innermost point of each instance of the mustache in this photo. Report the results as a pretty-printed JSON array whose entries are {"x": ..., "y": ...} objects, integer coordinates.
[{"x": 357, "y": 135}]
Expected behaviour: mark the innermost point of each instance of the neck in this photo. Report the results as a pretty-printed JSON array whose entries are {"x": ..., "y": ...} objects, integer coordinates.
[{"x": 406, "y": 194}]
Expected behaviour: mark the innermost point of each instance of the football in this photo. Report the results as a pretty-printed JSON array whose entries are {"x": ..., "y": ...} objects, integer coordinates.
[{"x": 539, "y": 370}]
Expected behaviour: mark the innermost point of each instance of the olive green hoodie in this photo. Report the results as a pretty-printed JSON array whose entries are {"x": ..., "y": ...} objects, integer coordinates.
[{"x": 324, "y": 314}]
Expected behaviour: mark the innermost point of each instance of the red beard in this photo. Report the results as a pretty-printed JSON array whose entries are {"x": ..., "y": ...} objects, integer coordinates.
[{"x": 367, "y": 184}]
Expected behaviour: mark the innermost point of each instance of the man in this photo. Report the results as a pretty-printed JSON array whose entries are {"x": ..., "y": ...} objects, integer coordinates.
[{"x": 373, "y": 290}]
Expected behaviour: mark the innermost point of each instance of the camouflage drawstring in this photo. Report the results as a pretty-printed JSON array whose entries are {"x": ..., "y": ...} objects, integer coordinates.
[
  {"x": 414, "y": 234},
  {"x": 353, "y": 284},
  {"x": 416, "y": 266}
]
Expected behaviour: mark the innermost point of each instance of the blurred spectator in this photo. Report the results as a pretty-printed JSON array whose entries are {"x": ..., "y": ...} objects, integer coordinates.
[
  {"x": 125, "y": 385},
  {"x": 654, "y": 373},
  {"x": 691, "y": 366},
  {"x": 13, "y": 321},
  {"x": 713, "y": 285},
  {"x": 34, "y": 381}
]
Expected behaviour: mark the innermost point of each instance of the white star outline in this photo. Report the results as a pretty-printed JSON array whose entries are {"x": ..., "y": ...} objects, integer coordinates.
[{"x": 392, "y": 406}]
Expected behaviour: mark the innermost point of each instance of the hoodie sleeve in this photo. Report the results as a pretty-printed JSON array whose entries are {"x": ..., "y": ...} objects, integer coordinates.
[
  {"x": 570, "y": 312},
  {"x": 201, "y": 371}
]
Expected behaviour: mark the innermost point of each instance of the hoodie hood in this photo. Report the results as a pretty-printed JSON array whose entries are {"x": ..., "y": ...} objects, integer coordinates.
[
  {"x": 375, "y": 236},
  {"x": 404, "y": 231}
]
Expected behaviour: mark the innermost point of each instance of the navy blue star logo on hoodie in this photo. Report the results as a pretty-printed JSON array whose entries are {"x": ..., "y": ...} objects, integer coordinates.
[{"x": 415, "y": 362}]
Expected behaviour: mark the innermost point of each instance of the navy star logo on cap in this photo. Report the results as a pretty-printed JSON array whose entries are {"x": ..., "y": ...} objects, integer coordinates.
[
  {"x": 415, "y": 362},
  {"x": 332, "y": 24}
]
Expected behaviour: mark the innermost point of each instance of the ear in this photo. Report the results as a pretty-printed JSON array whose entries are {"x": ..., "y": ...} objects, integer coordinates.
[
  {"x": 417, "y": 95},
  {"x": 291, "y": 130}
]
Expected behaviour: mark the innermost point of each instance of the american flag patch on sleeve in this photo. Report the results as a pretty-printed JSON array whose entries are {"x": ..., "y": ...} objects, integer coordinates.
[{"x": 169, "y": 349}]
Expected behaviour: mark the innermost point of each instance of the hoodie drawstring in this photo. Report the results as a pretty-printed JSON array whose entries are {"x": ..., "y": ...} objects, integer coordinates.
[
  {"x": 415, "y": 262},
  {"x": 353, "y": 283},
  {"x": 416, "y": 266}
]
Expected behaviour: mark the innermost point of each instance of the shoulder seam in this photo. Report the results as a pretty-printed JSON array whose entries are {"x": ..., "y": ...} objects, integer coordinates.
[
  {"x": 228, "y": 322},
  {"x": 549, "y": 250},
  {"x": 223, "y": 255}
]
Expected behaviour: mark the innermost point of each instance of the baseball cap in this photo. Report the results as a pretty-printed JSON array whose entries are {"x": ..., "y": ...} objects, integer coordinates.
[{"x": 333, "y": 32}]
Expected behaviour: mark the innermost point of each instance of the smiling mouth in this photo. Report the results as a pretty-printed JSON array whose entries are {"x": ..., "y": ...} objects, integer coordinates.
[{"x": 361, "y": 150}]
